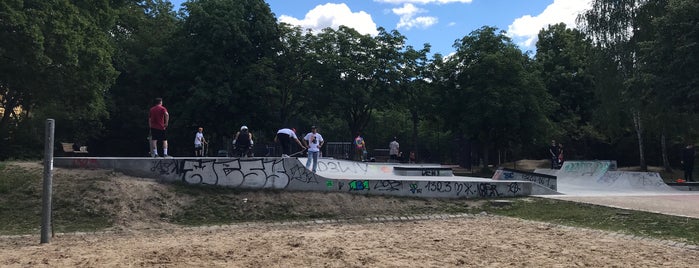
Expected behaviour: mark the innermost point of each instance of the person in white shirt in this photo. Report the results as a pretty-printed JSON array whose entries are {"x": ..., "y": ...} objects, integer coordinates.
[
  {"x": 313, "y": 142},
  {"x": 284, "y": 138},
  {"x": 394, "y": 150},
  {"x": 199, "y": 142}
]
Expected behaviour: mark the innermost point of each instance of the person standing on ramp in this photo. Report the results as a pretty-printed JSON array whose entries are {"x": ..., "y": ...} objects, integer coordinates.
[
  {"x": 313, "y": 142},
  {"x": 688, "y": 154},
  {"x": 199, "y": 142},
  {"x": 158, "y": 119}
]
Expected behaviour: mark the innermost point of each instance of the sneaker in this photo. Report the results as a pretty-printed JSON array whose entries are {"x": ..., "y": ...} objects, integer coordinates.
[
  {"x": 153, "y": 155},
  {"x": 285, "y": 155}
]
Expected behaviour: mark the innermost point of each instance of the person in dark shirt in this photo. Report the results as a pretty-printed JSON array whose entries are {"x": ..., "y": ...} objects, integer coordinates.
[
  {"x": 554, "y": 151},
  {"x": 687, "y": 161}
]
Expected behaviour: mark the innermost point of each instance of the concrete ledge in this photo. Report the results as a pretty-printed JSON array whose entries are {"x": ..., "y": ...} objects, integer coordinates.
[
  {"x": 684, "y": 186},
  {"x": 422, "y": 171}
]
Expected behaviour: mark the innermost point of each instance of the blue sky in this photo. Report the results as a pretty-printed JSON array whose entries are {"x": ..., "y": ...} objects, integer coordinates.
[{"x": 438, "y": 22}]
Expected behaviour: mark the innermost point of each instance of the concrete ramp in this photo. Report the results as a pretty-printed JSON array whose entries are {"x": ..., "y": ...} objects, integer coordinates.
[
  {"x": 545, "y": 184},
  {"x": 616, "y": 183},
  {"x": 600, "y": 178},
  {"x": 290, "y": 174}
]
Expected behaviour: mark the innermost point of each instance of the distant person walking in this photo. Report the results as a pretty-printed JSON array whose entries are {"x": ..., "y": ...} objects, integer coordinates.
[
  {"x": 284, "y": 138},
  {"x": 553, "y": 154},
  {"x": 394, "y": 150},
  {"x": 199, "y": 142},
  {"x": 359, "y": 148},
  {"x": 688, "y": 154},
  {"x": 313, "y": 142},
  {"x": 158, "y": 119}
]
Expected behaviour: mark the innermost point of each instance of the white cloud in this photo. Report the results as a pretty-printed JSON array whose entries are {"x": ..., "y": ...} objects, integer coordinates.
[
  {"x": 334, "y": 15},
  {"x": 422, "y": 2},
  {"x": 419, "y": 22},
  {"x": 407, "y": 10},
  {"x": 408, "y": 20},
  {"x": 524, "y": 29}
]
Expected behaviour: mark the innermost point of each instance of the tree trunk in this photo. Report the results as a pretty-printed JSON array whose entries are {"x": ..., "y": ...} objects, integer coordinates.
[
  {"x": 663, "y": 149},
  {"x": 484, "y": 163},
  {"x": 414, "y": 118},
  {"x": 638, "y": 126}
]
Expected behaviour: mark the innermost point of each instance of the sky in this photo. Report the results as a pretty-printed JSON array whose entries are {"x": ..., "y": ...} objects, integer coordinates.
[{"x": 437, "y": 22}]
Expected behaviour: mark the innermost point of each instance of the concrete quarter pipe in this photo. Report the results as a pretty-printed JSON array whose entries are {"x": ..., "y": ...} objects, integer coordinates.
[{"x": 599, "y": 183}]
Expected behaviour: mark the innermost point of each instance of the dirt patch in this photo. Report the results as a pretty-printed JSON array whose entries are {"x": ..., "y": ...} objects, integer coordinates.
[{"x": 480, "y": 241}]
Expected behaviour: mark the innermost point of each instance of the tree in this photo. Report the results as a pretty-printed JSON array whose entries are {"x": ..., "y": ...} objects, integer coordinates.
[
  {"x": 223, "y": 54},
  {"x": 55, "y": 61},
  {"x": 414, "y": 87},
  {"x": 494, "y": 96},
  {"x": 564, "y": 56},
  {"x": 669, "y": 59},
  {"x": 142, "y": 36},
  {"x": 293, "y": 71},
  {"x": 617, "y": 28},
  {"x": 357, "y": 72}
]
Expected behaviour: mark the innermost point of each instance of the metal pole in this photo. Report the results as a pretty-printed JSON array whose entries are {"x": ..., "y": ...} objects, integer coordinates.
[{"x": 48, "y": 175}]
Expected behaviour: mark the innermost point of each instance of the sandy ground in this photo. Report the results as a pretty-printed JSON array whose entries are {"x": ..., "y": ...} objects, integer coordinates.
[
  {"x": 468, "y": 241},
  {"x": 471, "y": 241}
]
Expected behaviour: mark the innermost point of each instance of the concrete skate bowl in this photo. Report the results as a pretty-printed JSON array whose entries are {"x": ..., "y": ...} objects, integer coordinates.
[{"x": 290, "y": 174}]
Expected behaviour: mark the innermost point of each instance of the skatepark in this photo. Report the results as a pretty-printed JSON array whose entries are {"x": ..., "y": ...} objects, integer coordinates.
[{"x": 594, "y": 182}]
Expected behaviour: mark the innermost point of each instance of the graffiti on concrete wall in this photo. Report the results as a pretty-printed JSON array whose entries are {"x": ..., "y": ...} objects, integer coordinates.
[
  {"x": 86, "y": 163},
  {"x": 588, "y": 168},
  {"x": 542, "y": 179},
  {"x": 350, "y": 167},
  {"x": 634, "y": 179},
  {"x": 429, "y": 188},
  {"x": 235, "y": 172}
]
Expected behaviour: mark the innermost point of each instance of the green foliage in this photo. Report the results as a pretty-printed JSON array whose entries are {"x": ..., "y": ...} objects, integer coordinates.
[
  {"x": 671, "y": 59},
  {"x": 493, "y": 92},
  {"x": 56, "y": 62},
  {"x": 142, "y": 36},
  {"x": 220, "y": 64},
  {"x": 355, "y": 71},
  {"x": 217, "y": 78},
  {"x": 565, "y": 59}
]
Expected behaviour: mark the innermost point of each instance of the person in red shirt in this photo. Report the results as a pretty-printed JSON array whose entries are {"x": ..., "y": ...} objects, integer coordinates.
[{"x": 158, "y": 119}]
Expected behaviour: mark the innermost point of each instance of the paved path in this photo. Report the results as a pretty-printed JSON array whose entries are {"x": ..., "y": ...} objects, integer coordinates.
[{"x": 686, "y": 205}]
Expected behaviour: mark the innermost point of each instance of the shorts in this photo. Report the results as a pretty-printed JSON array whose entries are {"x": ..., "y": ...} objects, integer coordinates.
[
  {"x": 158, "y": 134},
  {"x": 197, "y": 146}
]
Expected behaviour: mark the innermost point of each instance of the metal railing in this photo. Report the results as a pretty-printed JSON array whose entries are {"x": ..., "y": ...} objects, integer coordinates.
[{"x": 338, "y": 150}]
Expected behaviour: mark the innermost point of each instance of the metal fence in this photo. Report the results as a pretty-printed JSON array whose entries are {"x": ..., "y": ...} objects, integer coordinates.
[{"x": 338, "y": 150}]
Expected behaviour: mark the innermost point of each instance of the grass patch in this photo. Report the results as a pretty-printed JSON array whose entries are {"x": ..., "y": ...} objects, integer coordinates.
[
  {"x": 21, "y": 204},
  {"x": 216, "y": 205},
  {"x": 20, "y": 200},
  {"x": 603, "y": 218}
]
